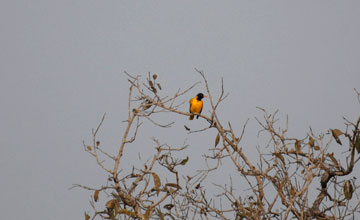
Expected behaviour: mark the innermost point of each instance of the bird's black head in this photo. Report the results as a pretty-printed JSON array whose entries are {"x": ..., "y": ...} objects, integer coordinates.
[{"x": 200, "y": 96}]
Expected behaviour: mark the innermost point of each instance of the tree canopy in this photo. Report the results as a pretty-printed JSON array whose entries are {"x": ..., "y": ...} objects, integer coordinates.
[{"x": 291, "y": 177}]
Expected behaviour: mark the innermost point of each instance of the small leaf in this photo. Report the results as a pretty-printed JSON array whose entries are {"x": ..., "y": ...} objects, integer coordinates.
[
  {"x": 293, "y": 191},
  {"x": 187, "y": 128},
  {"x": 298, "y": 146},
  {"x": 147, "y": 213},
  {"x": 280, "y": 156},
  {"x": 291, "y": 151},
  {"x": 159, "y": 86},
  {"x": 97, "y": 143},
  {"x": 87, "y": 217},
  {"x": 170, "y": 190},
  {"x": 127, "y": 212},
  {"x": 202, "y": 211},
  {"x": 197, "y": 186},
  {"x": 316, "y": 147},
  {"x": 348, "y": 190},
  {"x": 96, "y": 195},
  {"x": 147, "y": 104},
  {"x": 357, "y": 143},
  {"x": 154, "y": 76},
  {"x": 173, "y": 185},
  {"x": 333, "y": 159},
  {"x": 89, "y": 148},
  {"x": 151, "y": 84},
  {"x": 217, "y": 139},
  {"x": 110, "y": 204},
  {"x": 336, "y": 133},
  {"x": 157, "y": 182},
  {"x": 341, "y": 203},
  {"x": 311, "y": 141},
  {"x": 184, "y": 161},
  {"x": 168, "y": 206}
]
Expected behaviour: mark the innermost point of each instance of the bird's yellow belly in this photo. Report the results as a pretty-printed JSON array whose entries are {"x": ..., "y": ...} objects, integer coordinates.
[{"x": 195, "y": 107}]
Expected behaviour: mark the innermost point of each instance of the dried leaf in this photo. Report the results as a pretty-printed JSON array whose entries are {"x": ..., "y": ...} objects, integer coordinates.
[
  {"x": 282, "y": 183},
  {"x": 147, "y": 104},
  {"x": 280, "y": 156},
  {"x": 96, "y": 195},
  {"x": 87, "y": 217},
  {"x": 171, "y": 191},
  {"x": 298, "y": 146},
  {"x": 159, "y": 86},
  {"x": 151, "y": 84},
  {"x": 357, "y": 144},
  {"x": 217, "y": 139},
  {"x": 168, "y": 206},
  {"x": 348, "y": 190},
  {"x": 202, "y": 210},
  {"x": 89, "y": 148},
  {"x": 147, "y": 214},
  {"x": 197, "y": 186},
  {"x": 115, "y": 195},
  {"x": 173, "y": 185},
  {"x": 341, "y": 203},
  {"x": 291, "y": 151},
  {"x": 154, "y": 76},
  {"x": 333, "y": 159},
  {"x": 336, "y": 133},
  {"x": 187, "y": 128},
  {"x": 157, "y": 182},
  {"x": 127, "y": 212},
  {"x": 316, "y": 147},
  {"x": 184, "y": 161},
  {"x": 311, "y": 141},
  {"x": 97, "y": 143},
  {"x": 154, "y": 89},
  {"x": 110, "y": 204},
  {"x": 293, "y": 191}
]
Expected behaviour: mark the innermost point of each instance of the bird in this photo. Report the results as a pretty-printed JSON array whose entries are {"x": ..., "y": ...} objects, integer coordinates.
[{"x": 196, "y": 105}]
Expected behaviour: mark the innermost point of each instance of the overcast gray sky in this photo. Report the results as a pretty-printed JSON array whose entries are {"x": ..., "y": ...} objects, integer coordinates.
[{"x": 62, "y": 63}]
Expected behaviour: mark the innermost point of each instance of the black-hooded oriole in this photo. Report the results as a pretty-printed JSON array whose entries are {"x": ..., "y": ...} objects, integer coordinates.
[{"x": 196, "y": 105}]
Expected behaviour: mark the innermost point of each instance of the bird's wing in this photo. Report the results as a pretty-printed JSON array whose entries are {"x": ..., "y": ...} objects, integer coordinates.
[{"x": 190, "y": 102}]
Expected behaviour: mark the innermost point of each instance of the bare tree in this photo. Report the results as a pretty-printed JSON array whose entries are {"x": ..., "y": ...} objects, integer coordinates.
[{"x": 292, "y": 178}]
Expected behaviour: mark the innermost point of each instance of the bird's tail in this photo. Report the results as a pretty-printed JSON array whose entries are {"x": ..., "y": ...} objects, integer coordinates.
[{"x": 191, "y": 117}]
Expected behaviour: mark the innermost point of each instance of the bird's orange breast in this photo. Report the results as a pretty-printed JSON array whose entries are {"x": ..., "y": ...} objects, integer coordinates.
[{"x": 195, "y": 105}]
